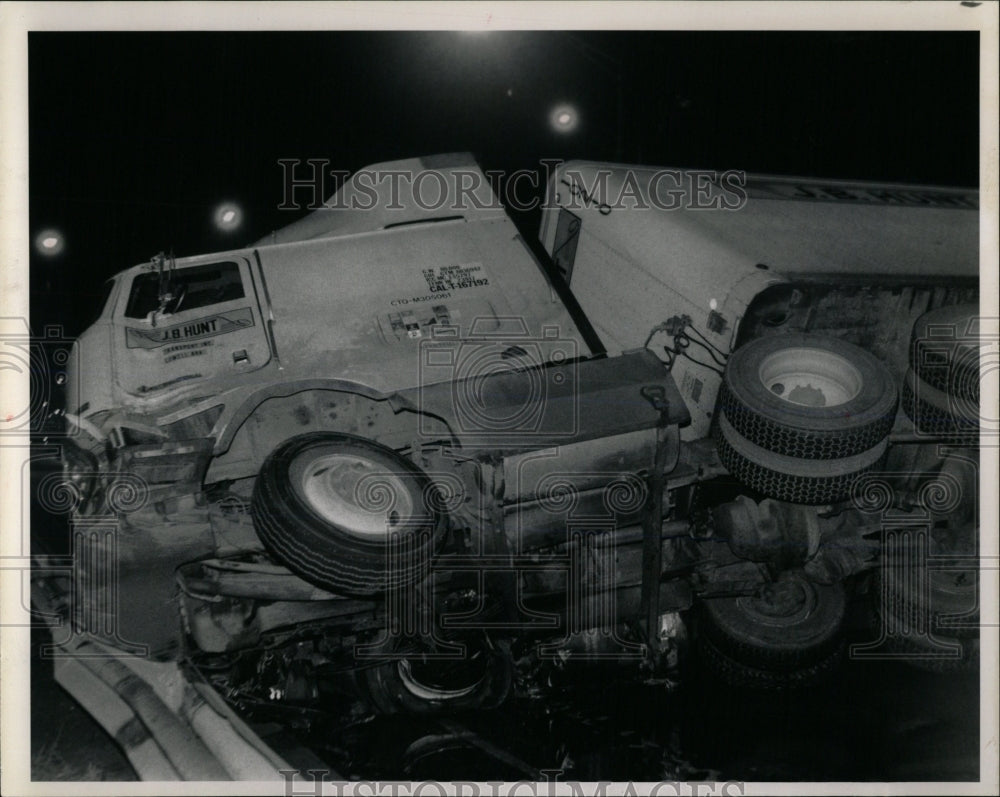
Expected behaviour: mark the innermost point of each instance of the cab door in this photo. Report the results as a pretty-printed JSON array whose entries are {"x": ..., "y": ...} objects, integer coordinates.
[{"x": 198, "y": 320}]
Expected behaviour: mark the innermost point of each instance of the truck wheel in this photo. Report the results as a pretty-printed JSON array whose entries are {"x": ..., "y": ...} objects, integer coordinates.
[
  {"x": 786, "y": 634},
  {"x": 808, "y": 396},
  {"x": 944, "y": 351},
  {"x": 948, "y": 608},
  {"x": 745, "y": 676},
  {"x": 346, "y": 514},
  {"x": 426, "y": 683},
  {"x": 799, "y": 481},
  {"x": 937, "y": 413},
  {"x": 943, "y": 653}
]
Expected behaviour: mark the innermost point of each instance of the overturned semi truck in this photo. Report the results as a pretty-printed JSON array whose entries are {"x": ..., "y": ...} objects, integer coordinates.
[{"x": 394, "y": 458}]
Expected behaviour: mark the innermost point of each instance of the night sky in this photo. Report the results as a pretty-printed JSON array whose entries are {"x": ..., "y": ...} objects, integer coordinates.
[{"x": 136, "y": 137}]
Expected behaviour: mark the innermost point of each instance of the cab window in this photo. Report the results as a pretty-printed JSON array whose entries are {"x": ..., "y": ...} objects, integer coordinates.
[{"x": 188, "y": 289}]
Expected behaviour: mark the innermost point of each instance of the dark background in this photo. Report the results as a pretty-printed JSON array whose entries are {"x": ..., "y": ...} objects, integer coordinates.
[{"x": 136, "y": 137}]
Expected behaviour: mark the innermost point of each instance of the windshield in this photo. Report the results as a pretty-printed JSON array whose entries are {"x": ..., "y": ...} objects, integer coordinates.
[{"x": 190, "y": 288}]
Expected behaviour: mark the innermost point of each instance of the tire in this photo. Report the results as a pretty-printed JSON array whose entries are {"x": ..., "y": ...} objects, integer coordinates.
[
  {"x": 930, "y": 656},
  {"x": 936, "y": 413},
  {"x": 949, "y": 608},
  {"x": 787, "y": 634},
  {"x": 922, "y": 627},
  {"x": 425, "y": 758},
  {"x": 944, "y": 351},
  {"x": 744, "y": 676},
  {"x": 481, "y": 679},
  {"x": 334, "y": 508},
  {"x": 808, "y": 396},
  {"x": 790, "y": 479}
]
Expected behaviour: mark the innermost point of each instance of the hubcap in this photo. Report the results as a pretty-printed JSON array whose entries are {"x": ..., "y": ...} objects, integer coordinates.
[
  {"x": 783, "y": 603},
  {"x": 354, "y": 493},
  {"x": 810, "y": 377}
]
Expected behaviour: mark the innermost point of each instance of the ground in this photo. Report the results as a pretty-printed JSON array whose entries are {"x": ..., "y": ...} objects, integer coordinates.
[{"x": 874, "y": 720}]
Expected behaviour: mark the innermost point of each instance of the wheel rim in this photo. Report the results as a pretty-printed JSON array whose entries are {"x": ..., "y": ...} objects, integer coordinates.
[
  {"x": 443, "y": 679},
  {"x": 784, "y": 603},
  {"x": 354, "y": 493},
  {"x": 810, "y": 377}
]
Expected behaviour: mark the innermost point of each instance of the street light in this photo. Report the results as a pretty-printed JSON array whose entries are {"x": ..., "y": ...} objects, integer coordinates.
[
  {"x": 50, "y": 242},
  {"x": 564, "y": 118},
  {"x": 228, "y": 216}
]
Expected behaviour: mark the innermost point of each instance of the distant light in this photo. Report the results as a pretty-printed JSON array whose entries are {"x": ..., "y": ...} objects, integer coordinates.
[
  {"x": 564, "y": 118},
  {"x": 50, "y": 242},
  {"x": 228, "y": 216}
]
